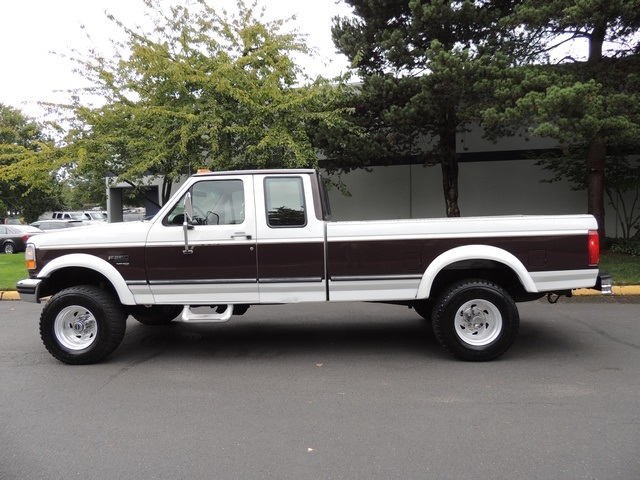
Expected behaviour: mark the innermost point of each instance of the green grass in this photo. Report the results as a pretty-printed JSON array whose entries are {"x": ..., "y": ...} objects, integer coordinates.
[
  {"x": 624, "y": 268},
  {"x": 12, "y": 269}
]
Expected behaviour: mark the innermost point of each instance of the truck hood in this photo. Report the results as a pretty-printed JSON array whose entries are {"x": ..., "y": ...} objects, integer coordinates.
[{"x": 95, "y": 235}]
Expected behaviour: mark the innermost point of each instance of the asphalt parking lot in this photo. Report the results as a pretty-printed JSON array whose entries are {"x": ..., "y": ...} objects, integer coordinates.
[{"x": 349, "y": 391}]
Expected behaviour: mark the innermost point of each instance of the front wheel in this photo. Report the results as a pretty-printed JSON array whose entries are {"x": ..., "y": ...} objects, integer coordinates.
[
  {"x": 476, "y": 320},
  {"x": 82, "y": 325}
]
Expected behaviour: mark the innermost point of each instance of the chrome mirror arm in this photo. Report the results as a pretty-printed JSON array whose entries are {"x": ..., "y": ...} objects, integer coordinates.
[{"x": 186, "y": 223}]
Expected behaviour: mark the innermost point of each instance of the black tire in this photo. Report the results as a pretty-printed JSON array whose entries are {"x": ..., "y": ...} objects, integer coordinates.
[
  {"x": 476, "y": 320},
  {"x": 82, "y": 325},
  {"x": 156, "y": 314},
  {"x": 9, "y": 248}
]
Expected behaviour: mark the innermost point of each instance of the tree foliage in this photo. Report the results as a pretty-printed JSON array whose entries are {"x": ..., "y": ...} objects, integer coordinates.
[
  {"x": 590, "y": 103},
  {"x": 201, "y": 88},
  {"x": 28, "y": 164},
  {"x": 421, "y": 61},
  {"x": 432, "y": 67}
]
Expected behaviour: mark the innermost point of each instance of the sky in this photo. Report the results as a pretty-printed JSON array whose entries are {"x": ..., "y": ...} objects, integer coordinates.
[{"x": 35, "y": 36}]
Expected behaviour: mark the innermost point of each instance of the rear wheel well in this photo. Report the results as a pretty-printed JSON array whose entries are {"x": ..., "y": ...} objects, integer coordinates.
[
  {"x": 74, "y": 276},
  {"x": 489, "y": 270}
]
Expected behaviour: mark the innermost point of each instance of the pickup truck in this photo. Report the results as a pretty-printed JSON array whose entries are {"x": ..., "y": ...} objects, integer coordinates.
[{"x": 230, "y": 240}]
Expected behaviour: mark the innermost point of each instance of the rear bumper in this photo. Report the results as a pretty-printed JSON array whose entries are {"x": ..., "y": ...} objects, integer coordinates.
[
  {"x": 29, "y": 290},
  {"x": 604, "y": 284}
]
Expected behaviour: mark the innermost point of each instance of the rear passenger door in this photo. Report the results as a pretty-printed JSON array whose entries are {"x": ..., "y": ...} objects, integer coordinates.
[{"x": 290, "y": 240}]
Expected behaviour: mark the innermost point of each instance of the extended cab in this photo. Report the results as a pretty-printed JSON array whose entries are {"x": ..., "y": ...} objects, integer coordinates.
[{"x": 230, "y": 240}]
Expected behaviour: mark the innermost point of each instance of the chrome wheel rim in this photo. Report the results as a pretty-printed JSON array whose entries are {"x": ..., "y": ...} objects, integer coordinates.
[
  {"x": 478, "y": 322},
  {"x": 75, "y": 327}
]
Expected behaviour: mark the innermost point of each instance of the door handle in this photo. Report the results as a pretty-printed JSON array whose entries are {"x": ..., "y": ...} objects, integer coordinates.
[{"x": 241, "y": 235}]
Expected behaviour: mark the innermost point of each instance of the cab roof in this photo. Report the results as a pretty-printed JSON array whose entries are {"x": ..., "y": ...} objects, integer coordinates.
[{"x": 282, "y": 171}]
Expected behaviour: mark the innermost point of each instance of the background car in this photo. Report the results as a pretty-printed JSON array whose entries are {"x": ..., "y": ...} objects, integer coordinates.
[
  {"x": 68, "y": 216},
  {"x": 132, "y": 217},
  {"x": 49, "y": 225},
  {"x": 10, "y": 221},
  {"x": 95, "y": 215},
  {"x": 14, "y": 237}
]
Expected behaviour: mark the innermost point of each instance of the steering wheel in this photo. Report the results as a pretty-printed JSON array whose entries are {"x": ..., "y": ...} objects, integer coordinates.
[{"x": 212, "y": 216}]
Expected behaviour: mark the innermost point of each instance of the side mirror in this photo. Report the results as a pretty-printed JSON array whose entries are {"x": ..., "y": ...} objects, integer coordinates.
[
  {"x": 186, "y": 223},
  {"x": 188, "y": 209}
]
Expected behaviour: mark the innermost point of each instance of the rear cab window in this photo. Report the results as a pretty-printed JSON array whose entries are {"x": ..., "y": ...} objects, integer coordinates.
[{"x": 285, "y": 204}]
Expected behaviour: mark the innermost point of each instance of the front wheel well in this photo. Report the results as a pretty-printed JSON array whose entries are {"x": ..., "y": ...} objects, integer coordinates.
[
  {"x": 489, "y": 270},
  {"x": 74, "y": 276}
]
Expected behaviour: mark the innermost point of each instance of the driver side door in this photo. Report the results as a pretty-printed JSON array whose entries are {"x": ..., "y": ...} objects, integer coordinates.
[{"x": 221, "y": 263}]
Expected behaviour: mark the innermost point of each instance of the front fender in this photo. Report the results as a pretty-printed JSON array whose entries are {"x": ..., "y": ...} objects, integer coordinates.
[
  {"x": 474, "y": 252},
  {"x": 96, "y": 264}
]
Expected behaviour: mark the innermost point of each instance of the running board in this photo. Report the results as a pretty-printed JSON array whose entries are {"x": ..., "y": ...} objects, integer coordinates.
[{"x": 189, "y": 316}]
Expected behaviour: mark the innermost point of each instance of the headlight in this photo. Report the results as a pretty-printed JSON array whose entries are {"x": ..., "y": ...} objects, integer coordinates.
[{"x": 30, "y": 256}]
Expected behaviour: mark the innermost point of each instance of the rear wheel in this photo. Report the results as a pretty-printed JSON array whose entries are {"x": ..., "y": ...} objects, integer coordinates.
[
  {"x": 9, "y": 248},
  {"x": 476, "y": 320},
  {"x": 81, "y": 325}
]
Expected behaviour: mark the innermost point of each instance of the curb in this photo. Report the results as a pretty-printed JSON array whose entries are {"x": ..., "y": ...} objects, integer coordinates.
[
  {"x": 624, "y": 290},
  {"x": 9, "y": 296}
]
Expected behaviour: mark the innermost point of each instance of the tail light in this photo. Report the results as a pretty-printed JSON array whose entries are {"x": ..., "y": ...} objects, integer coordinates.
[
  {"x": 26, "y": 236},
  {"x": 594, "y": 247}
]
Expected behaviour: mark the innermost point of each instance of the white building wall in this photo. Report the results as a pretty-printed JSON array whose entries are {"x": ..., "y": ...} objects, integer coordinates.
[
  {"x": 512, "y": 187},
  {"x": 486, "y": 187}
]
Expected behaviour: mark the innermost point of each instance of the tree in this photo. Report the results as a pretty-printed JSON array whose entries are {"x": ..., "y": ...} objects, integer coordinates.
[
  {"x": 28, "y": 166},
  {"x": 202, "y": 89},
  {"x": 623, "y": 177},
  {"x": 420, "y": 61},
  {"x": 591, "y": 103},
  {"x": 82, "y": 192},
  {"x": 621, "y": 184}
]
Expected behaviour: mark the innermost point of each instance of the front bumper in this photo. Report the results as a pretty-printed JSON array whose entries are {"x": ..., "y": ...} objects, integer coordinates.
[{"x": 29, "y": 290}]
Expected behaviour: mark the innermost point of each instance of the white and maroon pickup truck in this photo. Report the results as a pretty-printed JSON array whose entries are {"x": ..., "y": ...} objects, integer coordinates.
[{"x": 230, "y": 240}]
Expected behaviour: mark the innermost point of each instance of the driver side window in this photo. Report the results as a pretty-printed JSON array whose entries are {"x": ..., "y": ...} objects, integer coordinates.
[{"x": 215, "y": 202}]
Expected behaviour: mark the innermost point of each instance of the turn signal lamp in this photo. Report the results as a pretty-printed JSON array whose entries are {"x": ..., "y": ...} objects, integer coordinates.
[{"x": 30, "y": 256}]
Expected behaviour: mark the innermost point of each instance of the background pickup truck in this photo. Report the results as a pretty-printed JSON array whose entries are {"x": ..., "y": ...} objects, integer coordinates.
[{"x": 233, "y": 239}]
